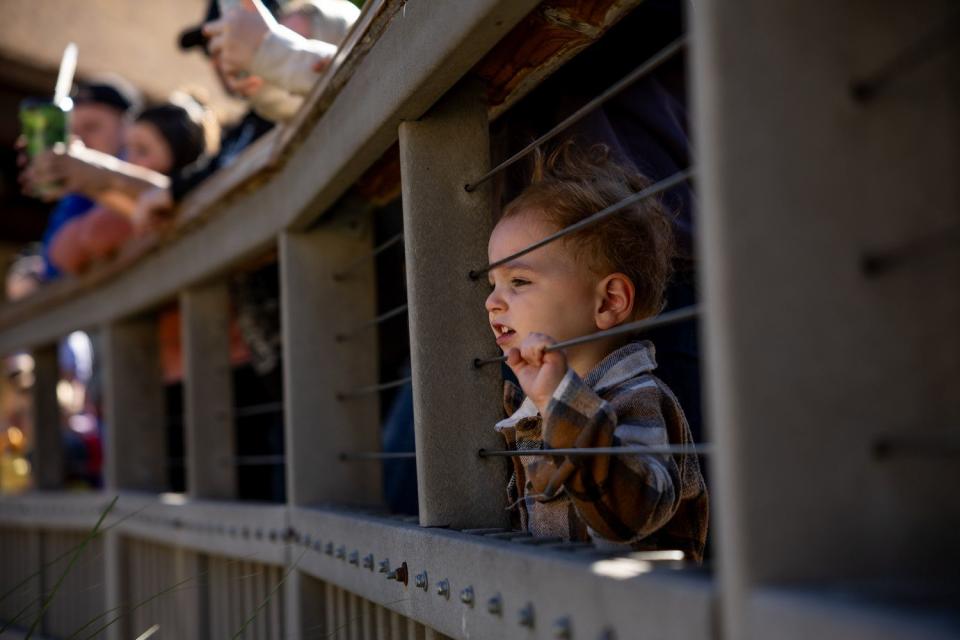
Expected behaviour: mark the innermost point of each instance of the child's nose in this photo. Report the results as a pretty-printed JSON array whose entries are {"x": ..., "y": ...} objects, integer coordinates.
[{"x": 494, "y": 302}]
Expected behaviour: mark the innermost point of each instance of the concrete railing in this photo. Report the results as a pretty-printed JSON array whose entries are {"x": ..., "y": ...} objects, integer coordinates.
[{"x": 785, "y": 224}]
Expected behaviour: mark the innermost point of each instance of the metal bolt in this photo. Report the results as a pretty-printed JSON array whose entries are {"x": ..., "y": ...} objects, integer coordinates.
[
  {"x": 399, "y": 574},
  {"x": 466, "y": 596},
  {"x": 341, "y": 552},
  {"x": 384, "y": 566},
  {"x": 443, "y": 589},
  {"x": 607, "y": 634},
  {"x": 421, "y": 581},
  {"x": 355, "y": 557},
  {"x": 495, "y": 605},
  {"x": 562, "y": 629},
  {"x": 525, "y": 617},
  {"x": 328, "y": 549},
  {"x": 368, "y": 561}
]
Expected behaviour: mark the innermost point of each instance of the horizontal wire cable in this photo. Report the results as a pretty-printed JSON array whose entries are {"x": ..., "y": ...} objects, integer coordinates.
[
  {"x": 374, "y": 388},
  {"x": 258, "y": 409},
  {"x": 360, "y": 328},
  {"x": 646, "y": 67},
  {"x": 693, "y": 450},
  {"x": 377, "y": 455},
  {"x": 342, "y": 275},
  {"x": 655, "y": 189},
  {"x": 662, "y": 320}
]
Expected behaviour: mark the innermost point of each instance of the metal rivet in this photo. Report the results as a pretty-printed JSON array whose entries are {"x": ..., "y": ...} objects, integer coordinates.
[
  {"x": 525, "y": 617},
  {"x": 355, "y": 557},
  {"x": 443, "y": 589},
  {"x": 341, "y": 552},
  {"x": 258, "y": 534},
  {"x": 317, "y": 545},
  {"x": 384, "y": 566},
  {"x": 273, "y": 535},
  {"x": 466, "y": 596},
  {"x": 328, "y": 549},
  {"x": 368, "y": 561},
  {"x": 562, "y": 629},
  {"x": 421, "y": 581},
  {"x": 495, "y": 605},
  {"x": 245, "y": 532}
]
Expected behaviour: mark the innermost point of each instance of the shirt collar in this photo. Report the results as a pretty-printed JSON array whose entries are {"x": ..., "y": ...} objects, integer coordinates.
[{"x": 627, "y": 362}]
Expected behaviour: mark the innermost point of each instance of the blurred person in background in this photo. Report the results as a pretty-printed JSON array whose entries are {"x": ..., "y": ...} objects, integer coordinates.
[
  {"x": 98, "y": 122},
  {"x": 159, "y": 141},
  {"x": 232, "y": 41}
]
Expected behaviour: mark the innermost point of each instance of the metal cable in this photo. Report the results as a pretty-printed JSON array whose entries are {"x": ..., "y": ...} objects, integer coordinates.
[
  {"x": 697, "y": 450},
  {"x": 258, "y": 409},
  {"x": 646, "y": 67},
  {"x": 662, "y": 320},
  {"x": 342, "y": 275},
  {"x": 377, "y": 455},
  {"x": 654, "y": 189},
  {"x": 374, "y": 388},
  {"x": 340, "y": 337}
]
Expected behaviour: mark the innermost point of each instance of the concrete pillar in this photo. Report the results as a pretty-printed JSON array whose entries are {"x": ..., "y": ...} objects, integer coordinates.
[
  {"x": 48, "y": 470},
  {"x": 812, "y": 362},
  {"x": 315, "y": 308},
  {"x": 446, "y": 231},
  {"x": 133, "y": 405},
  {"x": 208, "y": 392}
]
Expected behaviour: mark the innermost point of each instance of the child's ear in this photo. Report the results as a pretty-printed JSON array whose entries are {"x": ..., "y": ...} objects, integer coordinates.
[{"x": 615, "y": 298}]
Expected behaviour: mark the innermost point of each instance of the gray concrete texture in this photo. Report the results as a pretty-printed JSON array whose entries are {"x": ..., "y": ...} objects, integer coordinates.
[{"x": 445, "y": 236}]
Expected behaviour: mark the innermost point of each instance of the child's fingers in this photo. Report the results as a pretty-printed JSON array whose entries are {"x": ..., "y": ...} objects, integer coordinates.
[{"x": 514, "y": 358}]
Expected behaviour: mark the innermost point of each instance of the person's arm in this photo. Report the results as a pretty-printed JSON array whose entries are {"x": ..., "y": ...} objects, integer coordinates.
[
  {"x": 110, "y": 181},
  {"x": 290, "y": 61},
  {"x": 621, "y": 498}
]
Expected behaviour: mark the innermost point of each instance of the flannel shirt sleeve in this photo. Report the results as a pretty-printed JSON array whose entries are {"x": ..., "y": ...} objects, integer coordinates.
[{"x": 621, "y": 498}]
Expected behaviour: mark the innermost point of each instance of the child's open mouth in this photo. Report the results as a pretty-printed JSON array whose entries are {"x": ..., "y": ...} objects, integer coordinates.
[{"x": 503, "y": 332}]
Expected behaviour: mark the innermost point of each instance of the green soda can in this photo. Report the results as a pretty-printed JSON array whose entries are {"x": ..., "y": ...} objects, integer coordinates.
[{"x": 44, "y": 124}]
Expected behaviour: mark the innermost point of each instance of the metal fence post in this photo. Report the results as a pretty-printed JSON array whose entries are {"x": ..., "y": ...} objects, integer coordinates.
[
  {"x": 446, "y": 231},
  {"x": 208, "y": 392}
]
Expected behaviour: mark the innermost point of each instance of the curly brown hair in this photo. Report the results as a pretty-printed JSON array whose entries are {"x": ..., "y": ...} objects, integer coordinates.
[{"x": 571, "y": 184}]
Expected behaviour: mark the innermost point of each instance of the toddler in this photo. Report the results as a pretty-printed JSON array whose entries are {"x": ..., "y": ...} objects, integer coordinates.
[{"x": 602, "y": 393}]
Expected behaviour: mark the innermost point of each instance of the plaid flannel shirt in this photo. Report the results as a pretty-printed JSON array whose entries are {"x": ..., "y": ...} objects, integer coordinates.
[{"x": 646, "y": 501}]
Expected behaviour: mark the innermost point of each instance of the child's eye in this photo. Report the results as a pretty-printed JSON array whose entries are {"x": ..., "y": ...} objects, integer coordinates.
[{"x": 519, "y": 282}]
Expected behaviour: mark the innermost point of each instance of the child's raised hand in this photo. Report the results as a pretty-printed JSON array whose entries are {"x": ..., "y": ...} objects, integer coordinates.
[{"x": 538, "y": 371}]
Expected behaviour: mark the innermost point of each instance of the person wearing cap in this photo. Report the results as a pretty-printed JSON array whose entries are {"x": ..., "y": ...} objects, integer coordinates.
[{"x": 98, "y": 120}]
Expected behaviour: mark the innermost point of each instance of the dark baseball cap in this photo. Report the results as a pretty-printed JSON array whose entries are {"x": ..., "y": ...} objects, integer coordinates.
[
  {"x": 193, "y": 37},
  {"x": 112, "y": 91}
]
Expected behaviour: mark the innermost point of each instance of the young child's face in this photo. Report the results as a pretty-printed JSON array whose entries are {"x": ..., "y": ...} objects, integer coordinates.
[
  {"x": 546, "y": 291},
  {"x": 147, "y": 148}
]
